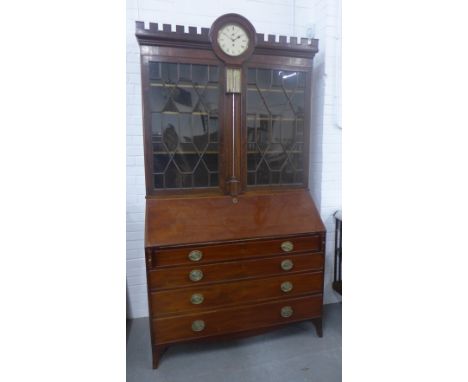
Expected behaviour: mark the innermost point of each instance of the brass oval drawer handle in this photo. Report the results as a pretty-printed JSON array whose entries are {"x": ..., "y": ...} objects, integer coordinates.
[
  {"x": 286, "y": 311},
  {"x": 287, "y": 246},
  {"x": 287, "y": 265},
  {"x": 286, "y": 286},
  {"x": 195, "y": 275},
  {"x": 197, "y": 298},
  {"x": 195, "y": 255},
  {"x": 198, "y": 325}
]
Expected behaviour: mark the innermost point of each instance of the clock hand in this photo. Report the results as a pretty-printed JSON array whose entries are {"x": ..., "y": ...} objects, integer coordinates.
[{"x": 227, "y": 36}]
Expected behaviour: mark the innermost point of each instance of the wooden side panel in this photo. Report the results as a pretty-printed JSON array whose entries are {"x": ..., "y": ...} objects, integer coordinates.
[
  {"x": 174, "y": 277},
  {"x": 235, "y": 320}
]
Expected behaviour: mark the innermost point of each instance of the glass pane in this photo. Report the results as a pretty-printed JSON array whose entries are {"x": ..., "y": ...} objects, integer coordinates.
[
  {"x": 201, "y": 176},
  {"x": 290, "y": 80},
  {"x": 184, "y": 125},
  {"x": 251, "y": 76},
  {"x": 263, "y": 78},
  {"x": 213, "y": 125},
  {"x": 186, "y": 163},
  {"x": 275, "y": 126},
  {"x": 263, "y": 174},
  {"x": 211, "y": 161},
  {"x": 213, "y": 74},
  {"x": 214, "y": 179},
  {"x": 169, "y": 72},
  {"x": 155, "y": 70},
  {"x": 185, "y": 73},
  {"x": 209, "y": 99},
  {"x": 159, "y": 181},
  {"x": 200, "y": 74},
  {"x": 160, "y": 163}
]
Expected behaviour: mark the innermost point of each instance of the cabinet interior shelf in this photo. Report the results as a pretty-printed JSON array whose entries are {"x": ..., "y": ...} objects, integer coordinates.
[
  {"x": 277, "y": 118},
  {"x": 275, "y": 90},
  {"x": 249, "y": 88},
  {"x": 185, "y": 153},
  {"x": 179, "y": 113},
  {"x": 166, "y": 85},
  {"x": 217, "y": 153},
  {"x": 248, "y": 118}
]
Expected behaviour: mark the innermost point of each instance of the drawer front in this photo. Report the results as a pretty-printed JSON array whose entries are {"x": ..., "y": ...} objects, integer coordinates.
[
  {"x": 180, "y": 276},
  {"x": 234, "y": 293},
  {"x": 246, "y": 249},
  {"x": 199, "y": 325}
]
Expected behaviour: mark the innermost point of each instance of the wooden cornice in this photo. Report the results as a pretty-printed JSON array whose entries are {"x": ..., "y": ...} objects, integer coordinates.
[{"x": 303, "y": 47}]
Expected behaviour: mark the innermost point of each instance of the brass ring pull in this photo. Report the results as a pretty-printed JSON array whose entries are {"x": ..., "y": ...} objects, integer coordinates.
[
  {"x": 286, "y": 311},
  {"x": 198, "y": 325},
  {"x": 286, "y": 286},
  {"x": 195, "y": 275},
  {"x": 287, "y": 265},
  {"x": 197, "y": 298},
  {"x": 287, "y": 246},
  {"x": 195, "y": 255}
]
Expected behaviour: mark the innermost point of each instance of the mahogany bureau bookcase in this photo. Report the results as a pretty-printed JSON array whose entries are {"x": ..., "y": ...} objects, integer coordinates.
[{"x": 234, "y": 244}]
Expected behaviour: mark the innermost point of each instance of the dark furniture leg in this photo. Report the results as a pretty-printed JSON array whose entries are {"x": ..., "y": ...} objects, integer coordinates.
[
  {"x": 158, "y": 351},
  {"x": 338, "y": 253},
  {"x": 318, "y": 326}
]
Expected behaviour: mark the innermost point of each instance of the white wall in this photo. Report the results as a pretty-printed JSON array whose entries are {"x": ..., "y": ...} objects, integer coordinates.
[{"x": 291, "y": 18}]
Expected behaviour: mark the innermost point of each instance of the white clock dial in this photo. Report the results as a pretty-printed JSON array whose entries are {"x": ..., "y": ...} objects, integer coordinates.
[{"x": 233, "y": 40}]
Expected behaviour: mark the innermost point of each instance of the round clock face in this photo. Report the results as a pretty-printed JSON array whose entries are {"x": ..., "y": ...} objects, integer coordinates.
[{"x": 233, "y": 40}]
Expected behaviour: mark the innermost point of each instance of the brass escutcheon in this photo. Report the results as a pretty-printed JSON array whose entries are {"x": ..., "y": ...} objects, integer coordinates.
[
  {"x": 286, "y": 311},
  {"x": 195, "y": 255},
  {"x": 287, "y": 246},
  {"x": 287, "y": 265},
  {"x": 286, "y": 286},
  {"x": 195, "y": 275},
  {"x": 198, "y": 325},
  {"x": 197, "y": 298}
]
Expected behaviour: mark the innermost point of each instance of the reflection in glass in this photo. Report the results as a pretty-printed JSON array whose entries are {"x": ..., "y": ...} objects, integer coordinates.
[
  {"x": 275, "y": 121},
  {"x": 184, "y": 125}
]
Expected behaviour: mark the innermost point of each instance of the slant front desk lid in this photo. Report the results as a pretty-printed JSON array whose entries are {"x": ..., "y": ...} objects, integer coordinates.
[{"x": 178, "y": 221}]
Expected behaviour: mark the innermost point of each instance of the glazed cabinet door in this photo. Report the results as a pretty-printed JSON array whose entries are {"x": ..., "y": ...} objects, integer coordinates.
[
  {"x": 277, "y": 126},
  {"x": 182, "y": 118}
]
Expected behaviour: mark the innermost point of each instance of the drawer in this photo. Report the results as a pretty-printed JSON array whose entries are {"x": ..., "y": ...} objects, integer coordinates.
[
  {"x": 161, "y": 278},
  {"x": 234, "y": 320},
  {"x": 239, "y": 250},
  {"x": 233, "y": 293}
]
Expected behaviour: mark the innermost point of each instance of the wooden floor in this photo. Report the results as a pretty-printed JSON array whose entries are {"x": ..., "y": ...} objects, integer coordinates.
[{"x": 292, "y": 354}]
